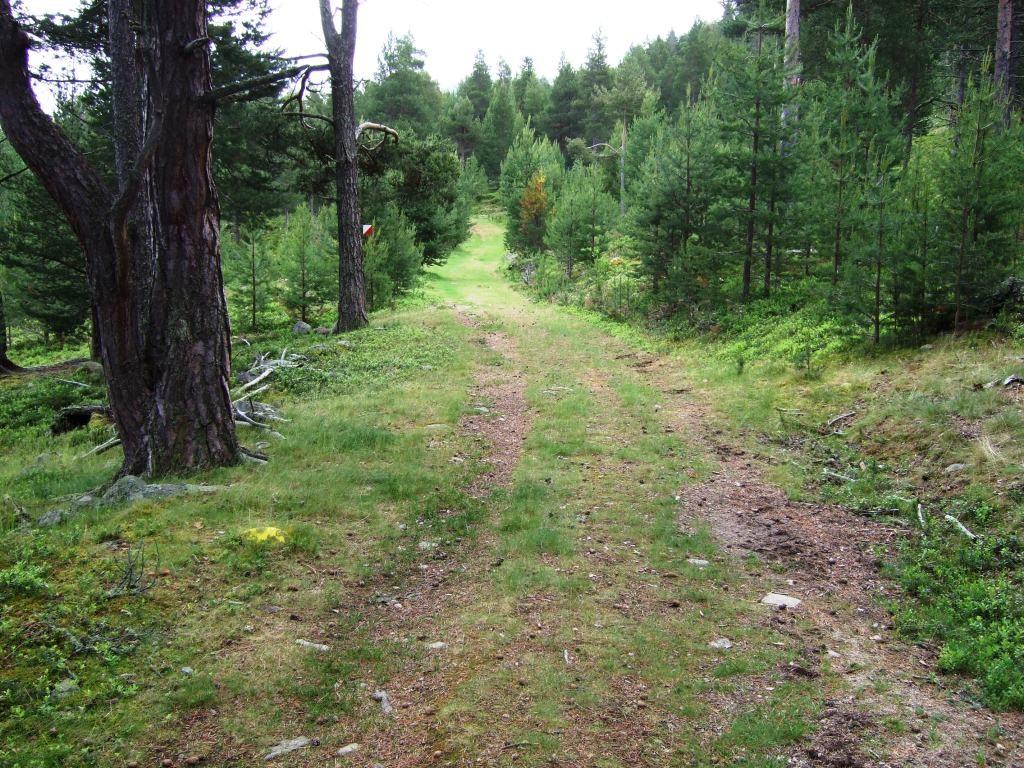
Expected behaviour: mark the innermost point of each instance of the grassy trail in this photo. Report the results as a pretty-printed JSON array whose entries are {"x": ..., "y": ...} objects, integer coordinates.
[{"x": 511, "y": 523}]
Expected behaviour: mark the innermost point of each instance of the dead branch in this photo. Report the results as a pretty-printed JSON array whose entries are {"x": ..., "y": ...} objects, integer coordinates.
[
  {"x": 101, "y": 448},
  {"x": 134, "y": 579},
  {"x": 841, "y": 417},
  {"x": 963, "y": 528}
]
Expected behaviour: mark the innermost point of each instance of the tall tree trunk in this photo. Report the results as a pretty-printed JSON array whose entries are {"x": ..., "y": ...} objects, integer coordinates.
[
  {"x": 153, "y": 248},
  {"x": 1003, "y": 68},
  {"x": 341, "y": 48},
  {"x": 755, "y": 149},
  {"x": 6, "y": 366},
  {"x": 793, "y": 58},
  {"x": 912, "y": 102},
  {"x": 622, "y": 170}
]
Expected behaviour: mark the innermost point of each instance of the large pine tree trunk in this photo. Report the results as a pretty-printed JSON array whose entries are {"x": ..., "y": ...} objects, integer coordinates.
[
  {"x": 341, "y": 48},
  {"x": 6, "y": 366},
  {"x": 152, "y": 249}
]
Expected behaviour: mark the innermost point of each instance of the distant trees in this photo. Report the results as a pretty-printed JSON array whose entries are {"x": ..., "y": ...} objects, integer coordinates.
[{"x": 785, "y": 174}]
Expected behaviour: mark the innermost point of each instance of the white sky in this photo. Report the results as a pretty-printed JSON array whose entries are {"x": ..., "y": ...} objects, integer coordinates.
[{"x": 451, "y": 31}]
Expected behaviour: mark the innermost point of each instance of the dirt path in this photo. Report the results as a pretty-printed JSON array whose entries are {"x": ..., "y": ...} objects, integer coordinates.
[
  {"x": 831, "y": 559},
  {"x": 605, "y": 611}
]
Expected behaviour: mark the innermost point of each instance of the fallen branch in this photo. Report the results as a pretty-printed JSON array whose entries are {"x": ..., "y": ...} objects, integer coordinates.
[
  {"x": 837, "y": 476},
  {"x": 841, "y": 417},
  {"x": 101, "y": 448},
  {"x": 963, "y": 528},
  {"x": 920, "y": 516}
]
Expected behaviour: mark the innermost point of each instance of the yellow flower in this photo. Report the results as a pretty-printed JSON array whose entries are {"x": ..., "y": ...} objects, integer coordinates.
[{"x": 261, "y": 535}]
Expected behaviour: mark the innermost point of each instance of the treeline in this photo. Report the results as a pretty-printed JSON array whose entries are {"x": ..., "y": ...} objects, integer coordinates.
[{"x": 864, "y": 176}]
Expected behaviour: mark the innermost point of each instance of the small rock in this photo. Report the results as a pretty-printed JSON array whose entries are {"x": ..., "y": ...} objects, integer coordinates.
[
  {"x": 438, "y": 646},
  {"x": 385, "y": 702},
  {"x": 65, "y": 688},
  {"x": 187, "y": 671},
  {"x": 313, "y": 646},
  {"x": 777, "y": 600},
  {"x": 348, "y": 749},
  {"x": 90, "y": 367},
  {"x": 952, "y": 469},
  {"x": 346, "y": 344},
  {"x": 696, "y": 561},
  {"x": 427, "y": 546},
  {"x": 322, "y": 331},
  {"x": 286, "y": 746},
  {"x": 193, "y": 760},
  {"x": 721, "y": 644},
  {"x": 301, "y": 328},
  {"x": 927, "y": 347}
]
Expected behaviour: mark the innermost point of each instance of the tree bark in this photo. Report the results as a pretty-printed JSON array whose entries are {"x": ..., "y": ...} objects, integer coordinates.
[
  {"x": 1003, "y": 67},
  {"x": 341, "y": 46},
  {"x": 153, "y": 247},
  {"x": 6, "y": 366}
]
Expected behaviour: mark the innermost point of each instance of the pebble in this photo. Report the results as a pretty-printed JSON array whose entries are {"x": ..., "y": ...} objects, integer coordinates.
[
  {"x": 722, "y": 644},
  {"x": 698, "y": 562},
  {"x": 438, "y": 646},
  {"x": 348, "y": 749},
  {"x": 187, "y": 671}
]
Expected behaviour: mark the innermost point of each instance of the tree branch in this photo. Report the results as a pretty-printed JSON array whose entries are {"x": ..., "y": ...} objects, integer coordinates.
[
  {"x": 241, "y": 90},
  {"x": 133, "y": 184}
]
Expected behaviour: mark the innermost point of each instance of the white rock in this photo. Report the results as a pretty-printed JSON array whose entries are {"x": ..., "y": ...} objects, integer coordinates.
[
  {"x": 385, "y": 702},
  {"x": 427, "y": 546},
  {"x": 721, "y": 644},
  {"x": 698, "y": 562},
  {"x": 348, "y": 749},
  {"x": 313, "y": 646},
  {"x": 286, "y": 746},
  {"x": 777, "y": 600},
  {"x": 438, "y": 646},
  {"x": 952, "y": 469}
]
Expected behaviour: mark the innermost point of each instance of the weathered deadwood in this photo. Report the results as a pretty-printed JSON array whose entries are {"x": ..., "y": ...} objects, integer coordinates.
[{"x": 78, "y": 417}]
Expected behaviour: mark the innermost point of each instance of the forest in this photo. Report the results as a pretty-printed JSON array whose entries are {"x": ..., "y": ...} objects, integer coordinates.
[{"x": 659, "y": 411}]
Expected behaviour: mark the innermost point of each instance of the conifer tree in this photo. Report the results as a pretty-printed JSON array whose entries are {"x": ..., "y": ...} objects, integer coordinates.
[
  {"x": 673, "y": 218},
  {"x": 564, "y": 119},
  {"x": 500, "y": 126},
  {"x": 582, "y": 217}
]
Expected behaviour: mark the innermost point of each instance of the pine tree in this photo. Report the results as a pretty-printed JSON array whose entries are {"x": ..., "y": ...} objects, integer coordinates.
[
  {"x": 979, "y": 183},
  {"x": 402, "y": 94},
  {"x": 530, "y": 177},
  {"x": 500, "y": 126},
  {"x": 673, "y": 218},
  {"x": 594, "y": 79},
  {"x": 750, "y": 94},
  {"x": 564, "y": 118},
  {"x": 249, "y": 276},
  {"x": 582, "y": 217},
  {"x": 477, "y": 87},
  {"x": 306, "y": 252}
]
